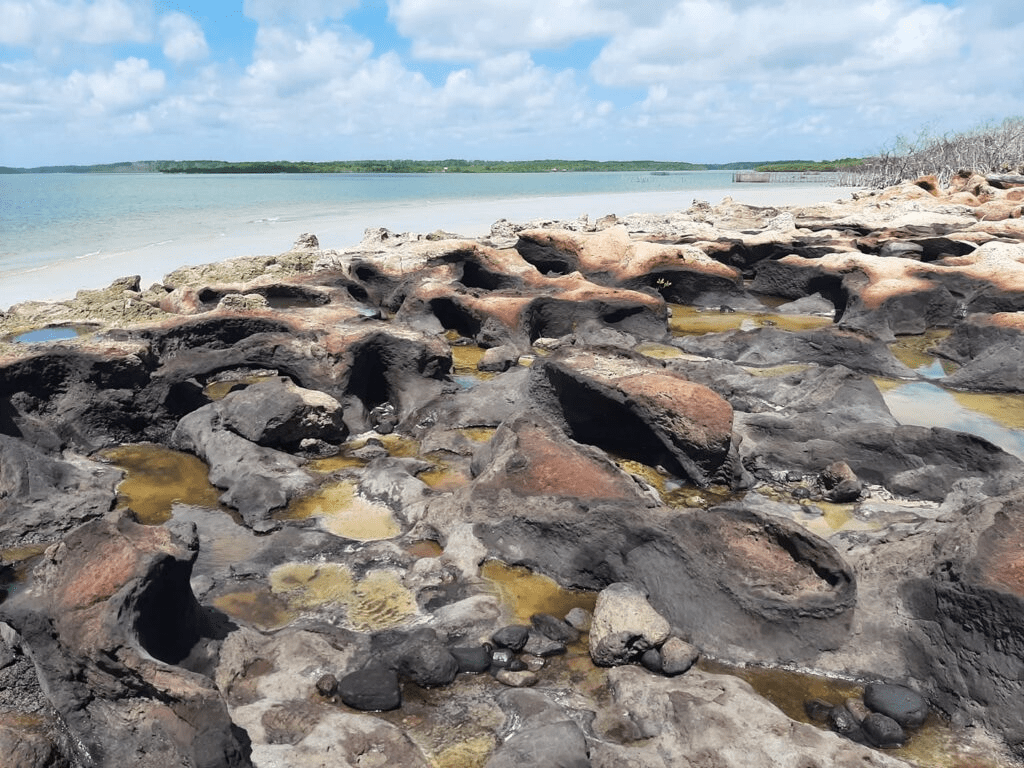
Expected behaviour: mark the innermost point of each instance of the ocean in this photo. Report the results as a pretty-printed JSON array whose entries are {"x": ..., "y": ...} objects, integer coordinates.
[{"x": 63, "y": 232}]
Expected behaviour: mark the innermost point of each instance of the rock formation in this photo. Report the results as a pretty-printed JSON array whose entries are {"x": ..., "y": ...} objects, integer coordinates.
[{"x": 621, "y": 406}]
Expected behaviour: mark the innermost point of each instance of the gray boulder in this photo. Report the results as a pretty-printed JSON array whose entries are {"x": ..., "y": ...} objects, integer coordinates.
[{"x": 624, "y": 626}]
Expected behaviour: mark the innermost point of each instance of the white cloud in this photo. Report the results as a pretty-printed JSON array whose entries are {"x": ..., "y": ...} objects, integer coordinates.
[
  {"x": 284, "y": 62},
  {"x": 30, "y": 23},
  {"x": 301, "y": 11},
  {"x": 184, "y": 40},
  {"x": 440, "y": 29},
  {"x": 128, "y": 84}
]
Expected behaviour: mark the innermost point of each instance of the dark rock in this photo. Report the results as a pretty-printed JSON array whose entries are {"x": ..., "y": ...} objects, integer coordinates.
[
  {"x": 327, "y": 685},
  {"x": 651, "y": 659},
  {"x": 474, "y": 659},
  {"x": 883, "y": 731},
  {"x": 554, "y": 628},
  {"x": 108, "y": 615},
  {"x": 818, "y": 709},
  {"x": 502, "y": 657},
  {"x": 765, "y": 347},
  {"x": 374, "y": 688},
  {"x": 429, "y": 665},
  {"x": 44, "y": 495},
  {"x": 277, "y": 414},
  {"x": 842, "y": 721},
  {"x": 904, "y": 705},
  {"x": 513, "y": 637},
  {"x": 542, "y": 646}
]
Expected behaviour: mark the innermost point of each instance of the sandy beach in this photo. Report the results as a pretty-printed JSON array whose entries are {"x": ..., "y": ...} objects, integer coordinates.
[{"x": 61, "y": 280}]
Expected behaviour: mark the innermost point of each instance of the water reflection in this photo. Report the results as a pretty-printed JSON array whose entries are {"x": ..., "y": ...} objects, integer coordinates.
[{"x": 926, "y": 405}]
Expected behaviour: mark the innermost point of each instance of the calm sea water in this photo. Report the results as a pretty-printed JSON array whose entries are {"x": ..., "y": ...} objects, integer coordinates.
[{"x": 59, "y": 232}]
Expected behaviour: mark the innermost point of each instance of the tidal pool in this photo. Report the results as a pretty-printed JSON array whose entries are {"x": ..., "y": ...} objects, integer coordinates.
[
  {"x": 995, "y": 417},
  {"x": 524, "y": 593},
  {"x": 933, "y": 745},
  {"x": 343, "y": 512},
  {"x": 53, "y": 333},
  {"x": 694, "y": 321},
  {"x": 377, "y": 601},
  {"x": 157, "y": 477}
]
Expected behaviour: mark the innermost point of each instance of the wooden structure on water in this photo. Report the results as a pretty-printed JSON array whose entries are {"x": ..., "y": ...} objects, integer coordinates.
[{"x": 785, "y": 177}]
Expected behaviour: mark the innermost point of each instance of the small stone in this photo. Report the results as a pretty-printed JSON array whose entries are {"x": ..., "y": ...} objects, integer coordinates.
[
  {"x": 516, "y": 665},
  {"x": 555, "y": 628},
  {"x": 429, "y": 665},
  {"x": 502, "y": 657},
  {"x": 514, "y": 636},
  {"x": 374, "y": 688},
  {"x": 474, "y": 659},
  {"x": 533, "y": 663},
  {"x": 817, "y": 710},
  {"x": 843, "y": 722},
  {"x": 883, "y": 732},
  {"x": 904, "y": 705},
  {"x": 579, "y": 618},
  {"x": 522, "y": 679},
  {"x": 857, "y": 709},
  {"x": 651, "y": 659},
  {"x": 327, "y": 685},
  {"x": 677, "y": 656},
  {"x": 540, "y": 645}
]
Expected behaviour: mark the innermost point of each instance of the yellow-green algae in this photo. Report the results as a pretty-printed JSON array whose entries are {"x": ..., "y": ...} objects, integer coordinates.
[
  {"x": 524, "y": 593},
  {"x": 377, "y": 601},
  {"x": 157, "y": 477},
  {"x": 218, "y": 390},
  {"x": 658, "y": 351},
  {"x": 693, "y": 321},
  {"x": 343, "y": 512},
  {"x": 256, "y": 606},
  {"x": 1004, "y": 409},
  {"x": 913, "y": 351}
]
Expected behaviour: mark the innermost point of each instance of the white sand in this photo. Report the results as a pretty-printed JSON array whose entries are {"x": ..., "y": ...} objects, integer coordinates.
[{"x": 62, "y": 279}]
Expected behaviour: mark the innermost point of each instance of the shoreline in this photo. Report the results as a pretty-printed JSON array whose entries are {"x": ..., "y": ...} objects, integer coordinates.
[{"x": 61, "y": 279}]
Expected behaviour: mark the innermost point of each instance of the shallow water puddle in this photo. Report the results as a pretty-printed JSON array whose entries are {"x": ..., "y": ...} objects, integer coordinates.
[
  {"x": 377, "y": 601},
  {"x": 218, "y": 390},
  {"x": 913, "y": 352},
  {"x": 524, "y": 593},
  {"x": 343, "y": 512},
  {"x": 53, "y": 333},
  {"x": 694, "y": 321},
  {"x": 933, "y": 745},
  {"x": 658, "y": 351},
  {"x": 156, "y": 477},
  {"x": 997, "y": 418}
]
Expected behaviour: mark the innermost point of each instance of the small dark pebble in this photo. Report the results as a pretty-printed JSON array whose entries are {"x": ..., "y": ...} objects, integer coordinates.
[
  {"x": 651, "y": 659},
  {"x": 473, "y": 658},
  {"x": 554, "y": 628},
  {"x": 842, "y": 721},
  {"x": 327, "y": 685},
  {"x": 513, "y": 636},
  {"x": 818, "y": 710},
  {"x": 883, "y": 732},
  {"x": 502, "y": 657}
]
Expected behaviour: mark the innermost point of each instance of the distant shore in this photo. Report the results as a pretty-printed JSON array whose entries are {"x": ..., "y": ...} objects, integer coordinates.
[{"x": 471, "y": 218}]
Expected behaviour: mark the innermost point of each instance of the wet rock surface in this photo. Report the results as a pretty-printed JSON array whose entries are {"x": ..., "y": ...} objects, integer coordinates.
[{"x": 378, "y": 426}]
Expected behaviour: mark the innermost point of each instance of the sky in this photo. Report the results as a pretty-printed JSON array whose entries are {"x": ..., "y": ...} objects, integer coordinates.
[{"x": 97, "y": 81}]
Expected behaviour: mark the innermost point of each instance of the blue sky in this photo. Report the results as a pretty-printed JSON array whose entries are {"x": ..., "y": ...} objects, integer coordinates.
[{"x": 94, "y": 81}]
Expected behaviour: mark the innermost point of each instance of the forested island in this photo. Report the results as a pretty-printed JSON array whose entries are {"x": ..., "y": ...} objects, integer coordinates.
[{"x": 426, "y": 166}]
